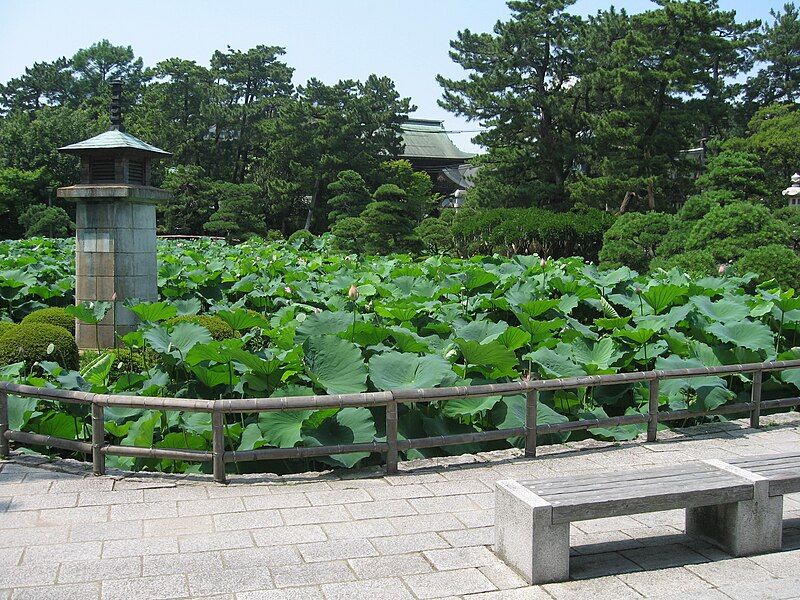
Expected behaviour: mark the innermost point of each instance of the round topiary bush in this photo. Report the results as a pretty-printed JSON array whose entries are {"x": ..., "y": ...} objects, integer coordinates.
[
  {"x": 6, "y": 326},
  {"x": 772, "y": 262},
  {"x": 52, "y": 316},
  {"x": 29, "y": 342},
  {"x": 301, "y": 237},
  {"x": 218, "y": 328}
]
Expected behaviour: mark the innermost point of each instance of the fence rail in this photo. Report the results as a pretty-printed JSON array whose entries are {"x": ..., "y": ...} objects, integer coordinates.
[{"x": 219, "y": 456}]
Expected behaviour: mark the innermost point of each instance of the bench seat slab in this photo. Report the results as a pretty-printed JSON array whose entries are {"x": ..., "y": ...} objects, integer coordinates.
[
  {"x": 781, "y": 470},
  {"x": 651, "y": 490}
]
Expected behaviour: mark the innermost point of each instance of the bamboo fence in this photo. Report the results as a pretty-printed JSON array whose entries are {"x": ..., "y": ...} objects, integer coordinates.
[{"x": 219, "y": 456}]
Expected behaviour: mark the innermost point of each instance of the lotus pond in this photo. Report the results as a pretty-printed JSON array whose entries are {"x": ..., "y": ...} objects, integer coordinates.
[{"x": 307, "y": 321}]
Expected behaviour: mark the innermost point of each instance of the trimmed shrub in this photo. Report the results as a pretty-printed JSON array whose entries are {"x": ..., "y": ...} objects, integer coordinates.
[
  {"x": 301, "y": 237},
  {"x": 52, "y": 316},
  {"x": 694, "y": 262},
  {"x": 29, "y": 342},
  {"x": 731, "y": 230},
  {"x": 6, "y": 326},
  {"x": 772, "y": 262},
  {"x": 218, "y": 328},
  {"x": 633, "y": 239}
]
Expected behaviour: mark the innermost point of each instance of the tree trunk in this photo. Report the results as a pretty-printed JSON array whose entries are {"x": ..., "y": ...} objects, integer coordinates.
[
  {"x": 651, "y": 196},
  {"x": 626, "y": 200},
  {"x": 312, "y": 206}
]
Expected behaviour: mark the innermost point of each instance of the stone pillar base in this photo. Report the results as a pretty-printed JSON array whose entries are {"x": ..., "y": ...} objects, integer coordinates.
[
  {"x": 741, "y": 528},
  {"x": 115, "y": 261},
  {"x": 525, "y": 536}
]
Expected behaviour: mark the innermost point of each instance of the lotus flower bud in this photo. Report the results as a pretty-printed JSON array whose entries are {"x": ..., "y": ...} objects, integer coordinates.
[
  {"x": 287, "y": 289},
  {"x": 543, "y": 263},
  {"x": 722, "y": 268},
  {"x": 353, "y": 293},
  {"x": 637, "y": 289}
]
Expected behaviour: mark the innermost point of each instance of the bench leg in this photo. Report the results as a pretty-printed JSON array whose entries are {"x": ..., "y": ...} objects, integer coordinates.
[
  {"x": 525, "y": 536},
  {"x": 741, "y": 528}
]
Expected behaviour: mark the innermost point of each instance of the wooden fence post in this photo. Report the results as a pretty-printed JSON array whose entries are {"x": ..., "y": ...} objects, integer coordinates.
[
  {"x": 4, "y": 447},
  {"x": 98, "y": 439},
  {"x": 530, "y": 422},
  {"x": 652, "y": 411},
  {"x": 391, "y": 436},
  {"x": 218, "y": 446},
  {"x": 755, "y": 400}
]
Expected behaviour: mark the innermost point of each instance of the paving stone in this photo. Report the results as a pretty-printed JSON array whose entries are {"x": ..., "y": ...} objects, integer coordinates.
[
  {"x": 599, "y": 565},
  {"x": 99, "y": 570},
  {"x": 79, "y": 514},
  {"x": 41, "y": 501},
  {"x": 528, "y": 593},
  {"x": 212, "y": 506},
  {"x": 72, "y": 591},
  {"x": 324, "y": 498},
  {"x": 223, "y": 540},
  {"x": 83, "y": 484},
  {"x": 385, "y": 589},
  {"x": 122, "y": 497},
  {"x": 444, "y": 504},
  {"x": 480, "y": 536},
  {"x": 359, "y": 529},
  {"x": 143, "y": 511},
  {"x": 412, "y": 477},
  {"x": 275, "y": 501},
  {"x": 424, "y": 523},
  {"x": 774, "y": 589},
  {"x": 86, "y": 532},
  {"x": 194, "y": 562},
  {"x": 18, "y": 520},
  {"x": 670, "y": 555},
  {"x": 380, "y": 508},
  {"x": 59, "y": 552},
  {"x": 184, "y": 492},
  {"x": 780, "y": 564},
  {"x": 434, "y": 585},
  {"x": 336, "y": 550},
  {"x": 314, "y": 514},
  {"x": 291, "y": 534},
  {"x": 230, "y": 580},
  {"x": 303, "y": 593},
  {"x": 267, "y": 557},
  {"x": 311, "y": 574},
  {"x": 476, "y": 518},
  {"x": 602, "y": 588},
  {"x": 464, "y": 485},
  {"x": 502, "y": 576},
  {"x": 252, "y": 519},
  {"x": 397, "y": 492},
  {"x": 460, "y": 558},
  {"x": 12, "y": 576},
  {"x": 10, "y": 556},
  {"x": 139, "y": 547},
  {"x": 415, "y": 542},
  {"x": 178, "y": 526},
  {"x": 650, "y": 583},
  {"x": 721, "y": 572},
  {"x": 389, "y": 566},
  {"x": 146, "y": 588},
  {"x": 33, "y": 536}
]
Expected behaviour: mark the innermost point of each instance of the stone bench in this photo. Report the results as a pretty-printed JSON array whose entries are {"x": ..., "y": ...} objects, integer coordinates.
[{"x": 738, "y": 505}]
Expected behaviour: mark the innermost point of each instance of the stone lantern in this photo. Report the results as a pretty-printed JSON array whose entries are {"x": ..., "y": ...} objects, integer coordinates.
[
  {"x": 115, "y": 249},
  {"x": 793, "y": 191}
]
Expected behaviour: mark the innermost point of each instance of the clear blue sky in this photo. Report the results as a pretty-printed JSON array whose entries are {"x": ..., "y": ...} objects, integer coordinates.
[{"x": 330, "y": 39}]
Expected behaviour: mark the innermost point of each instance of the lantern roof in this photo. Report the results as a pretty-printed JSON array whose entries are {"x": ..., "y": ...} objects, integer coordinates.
[{"x": 113, "y": 139}]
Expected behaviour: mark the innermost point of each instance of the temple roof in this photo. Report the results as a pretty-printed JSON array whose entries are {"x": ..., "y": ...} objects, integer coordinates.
[
  {"x": 113, "y": 140},
  {"x": 427, "y": 138}
]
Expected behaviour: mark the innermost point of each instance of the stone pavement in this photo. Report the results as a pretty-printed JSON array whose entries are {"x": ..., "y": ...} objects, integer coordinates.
[{"x": 424, "y": 533}]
